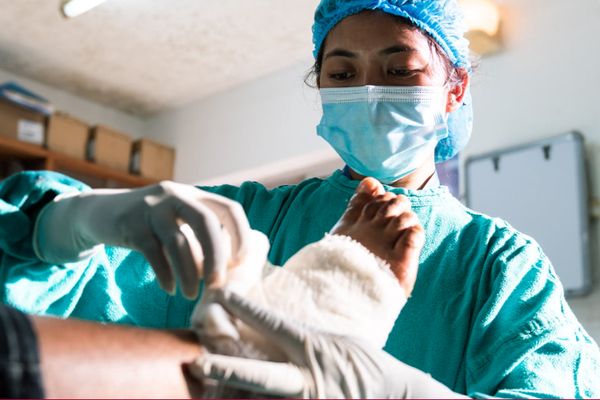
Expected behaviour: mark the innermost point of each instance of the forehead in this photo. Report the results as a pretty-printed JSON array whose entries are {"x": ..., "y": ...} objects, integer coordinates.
[{"x": 373, "y": 30}]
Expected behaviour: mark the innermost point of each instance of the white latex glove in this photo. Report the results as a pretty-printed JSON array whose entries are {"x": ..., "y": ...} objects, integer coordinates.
[
  {"x": 320, "y": 364},
  {"x": 178, "y": 228}
]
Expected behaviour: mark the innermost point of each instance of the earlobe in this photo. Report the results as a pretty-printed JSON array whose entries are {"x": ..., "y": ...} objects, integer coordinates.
[
  {"x": 454, "y": 101},
  {"x": 457, "y": 93}
]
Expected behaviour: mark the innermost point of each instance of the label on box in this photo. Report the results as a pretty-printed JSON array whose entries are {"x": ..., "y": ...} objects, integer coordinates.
[{"x": 30, "y": 131}]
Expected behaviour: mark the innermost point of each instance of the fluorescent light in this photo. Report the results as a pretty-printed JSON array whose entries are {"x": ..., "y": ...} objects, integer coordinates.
[{"x": 73, "y": 8}]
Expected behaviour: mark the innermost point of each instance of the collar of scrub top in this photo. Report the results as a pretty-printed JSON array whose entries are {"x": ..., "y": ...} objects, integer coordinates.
[{"x": 432, "y": 183}]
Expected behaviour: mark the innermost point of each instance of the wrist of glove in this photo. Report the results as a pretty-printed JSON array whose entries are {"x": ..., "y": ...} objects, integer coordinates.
[
  {"x": 320, "y": 364},
  {"x": 56, "y": 241},
  {"x": 177, "y": 228}
]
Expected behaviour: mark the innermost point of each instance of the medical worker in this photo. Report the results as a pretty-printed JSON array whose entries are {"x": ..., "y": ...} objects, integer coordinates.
[{"x": 487, "y": 316}]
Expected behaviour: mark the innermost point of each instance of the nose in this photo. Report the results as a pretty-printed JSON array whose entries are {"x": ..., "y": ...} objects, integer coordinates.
[{"x": 372, "y": 74}]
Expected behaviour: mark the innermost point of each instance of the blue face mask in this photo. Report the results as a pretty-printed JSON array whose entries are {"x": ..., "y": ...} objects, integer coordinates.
[{"x": 385, "y": 132}]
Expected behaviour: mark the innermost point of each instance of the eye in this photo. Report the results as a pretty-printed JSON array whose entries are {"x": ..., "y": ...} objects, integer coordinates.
[
  {"x": 341, "y": 76},
  {"x": 400, "y": 72}
]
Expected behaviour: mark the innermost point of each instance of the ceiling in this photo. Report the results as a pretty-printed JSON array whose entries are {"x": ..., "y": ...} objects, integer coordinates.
[{"x": 146, "y": 56}]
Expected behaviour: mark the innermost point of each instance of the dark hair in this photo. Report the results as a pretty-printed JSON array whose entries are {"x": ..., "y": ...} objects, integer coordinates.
[{"x": 454, "y": 75}]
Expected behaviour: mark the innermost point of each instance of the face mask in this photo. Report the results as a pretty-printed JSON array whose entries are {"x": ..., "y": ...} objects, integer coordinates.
[{"x": 385, "y": 132}]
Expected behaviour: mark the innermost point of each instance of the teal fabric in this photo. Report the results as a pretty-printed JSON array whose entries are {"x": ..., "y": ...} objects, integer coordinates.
[{"x": 487, "y": 316}]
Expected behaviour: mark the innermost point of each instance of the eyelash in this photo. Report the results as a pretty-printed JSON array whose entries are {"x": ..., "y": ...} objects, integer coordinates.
[
  {"x": 342, "y": 76},
  {"x": 338, "y": 76},
  {"x": 401, "y": 72}
]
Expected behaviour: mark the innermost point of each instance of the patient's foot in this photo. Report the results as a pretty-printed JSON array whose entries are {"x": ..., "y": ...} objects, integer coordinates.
[{"x": 384, "y": 223}]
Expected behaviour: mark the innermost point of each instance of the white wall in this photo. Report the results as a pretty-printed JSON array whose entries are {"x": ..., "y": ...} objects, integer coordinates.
[
  {"x": 545, "y": 82},
  {"x": 88, "y": 111},
  {"x": 259, "y": 123}
]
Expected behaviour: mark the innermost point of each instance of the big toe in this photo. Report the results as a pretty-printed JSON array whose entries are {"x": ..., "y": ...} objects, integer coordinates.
[
  {"x": 370, "y": 186},
  {"x": 367, "y": 190}
]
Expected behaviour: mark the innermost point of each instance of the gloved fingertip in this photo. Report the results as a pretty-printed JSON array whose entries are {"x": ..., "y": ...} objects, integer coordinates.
[
  {"x": 200, "y": 368},
  {"x": 190, "y": 293},
  {"x": 168, "y": 287}
]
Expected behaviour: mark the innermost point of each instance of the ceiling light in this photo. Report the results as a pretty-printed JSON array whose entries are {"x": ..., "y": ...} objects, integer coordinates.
[
  {"x": 73, "y": 8},
  {"x": 483, "y": 23}
]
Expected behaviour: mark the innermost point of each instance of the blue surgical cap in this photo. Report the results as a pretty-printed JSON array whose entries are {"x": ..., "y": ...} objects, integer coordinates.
[{"x": 443, "y": 20}]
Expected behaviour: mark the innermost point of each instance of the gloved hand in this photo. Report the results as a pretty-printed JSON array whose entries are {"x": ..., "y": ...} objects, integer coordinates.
[
  {"x": 320, "y": 364},
  {"x": 176, "y": 227}
]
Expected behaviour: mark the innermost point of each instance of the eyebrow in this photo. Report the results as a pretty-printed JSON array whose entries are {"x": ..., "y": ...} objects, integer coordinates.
[
  {"x": 339, "y": 53},
  {"x": 385, "y": 52},
  {"x": 397, "y": 49}
]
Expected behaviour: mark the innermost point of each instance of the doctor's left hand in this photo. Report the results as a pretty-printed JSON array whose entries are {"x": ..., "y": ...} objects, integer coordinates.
[{"x": 178, "y": 228}]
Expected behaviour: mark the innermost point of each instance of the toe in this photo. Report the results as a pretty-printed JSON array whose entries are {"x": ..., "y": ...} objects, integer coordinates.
[
  {"x": 394, "y": 207},
  {"x": 408, "y": 249},
  {"x": 367, "y": 191},
  {"x": 370, "y": 186},
  {"x": 405, "y": 220}
]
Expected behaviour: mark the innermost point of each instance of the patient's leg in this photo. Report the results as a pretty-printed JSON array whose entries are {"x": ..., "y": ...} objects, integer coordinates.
[{"x": 81, "y": 359}]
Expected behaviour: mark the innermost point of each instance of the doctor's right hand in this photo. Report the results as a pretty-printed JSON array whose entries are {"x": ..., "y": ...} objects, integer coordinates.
[
  {"x": 178, "y": 229},
  {"x": 319, "y": 364}
]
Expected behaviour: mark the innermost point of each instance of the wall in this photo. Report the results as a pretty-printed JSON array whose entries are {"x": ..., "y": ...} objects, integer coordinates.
[
  {"x": 265, "y": 121},
  {"x": 88, "y": 111},
  {"x": 545, "y": 82}
]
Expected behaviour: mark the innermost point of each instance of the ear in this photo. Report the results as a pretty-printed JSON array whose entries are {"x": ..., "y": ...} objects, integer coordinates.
[{"x": 457, "y": 93}]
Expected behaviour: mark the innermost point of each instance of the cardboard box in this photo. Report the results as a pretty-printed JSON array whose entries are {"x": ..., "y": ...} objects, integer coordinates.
[
  {"x": 20, "y": 123},
  {"x": 67, "y": 135},
  {"x": 153, "y": 160},
  {"x": 109, "y": 148}
]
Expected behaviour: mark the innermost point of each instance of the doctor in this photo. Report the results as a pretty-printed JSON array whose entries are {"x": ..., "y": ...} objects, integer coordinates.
[{"x": 487, "y": 316}]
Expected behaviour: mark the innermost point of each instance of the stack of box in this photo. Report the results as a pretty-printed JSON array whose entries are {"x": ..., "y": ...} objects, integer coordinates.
[
  {"x": 21, "y": 123},
  {"x": 67, "y": 135},
  {"x": 23, "y": 113},
  {"x": 28, "y": 117},
  {"x": 152, "y": 160},
  {"x": 109, "y": 147}
]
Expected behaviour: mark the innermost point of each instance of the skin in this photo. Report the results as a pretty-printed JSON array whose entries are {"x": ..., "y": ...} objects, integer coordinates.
[
  {"x": 373, "y": 48},
  {"x": 82, "y": 359},
  {"x": 384, "y": 223}
]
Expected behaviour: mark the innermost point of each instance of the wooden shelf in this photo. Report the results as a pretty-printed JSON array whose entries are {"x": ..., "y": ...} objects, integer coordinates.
[{"x": 53, "y": 161}]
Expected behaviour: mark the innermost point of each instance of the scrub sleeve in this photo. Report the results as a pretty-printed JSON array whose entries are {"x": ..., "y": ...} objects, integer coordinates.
[{"x": 20, "y": 376}]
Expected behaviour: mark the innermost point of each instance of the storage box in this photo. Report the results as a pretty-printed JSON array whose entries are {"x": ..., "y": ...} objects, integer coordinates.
[
  {"x": 152, "y": 160},
  {"x": 20, "y": 123},
  {"x": 109, "y": 148},
  {"x": 67, "y": 135}
]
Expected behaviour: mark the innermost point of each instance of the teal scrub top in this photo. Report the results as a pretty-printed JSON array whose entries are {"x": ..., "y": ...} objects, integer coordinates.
[{"x": 487, "y": 316}]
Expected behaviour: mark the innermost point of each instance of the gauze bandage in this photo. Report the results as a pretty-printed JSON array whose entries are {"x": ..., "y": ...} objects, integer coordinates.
[{"x": 335, "y": 284}]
